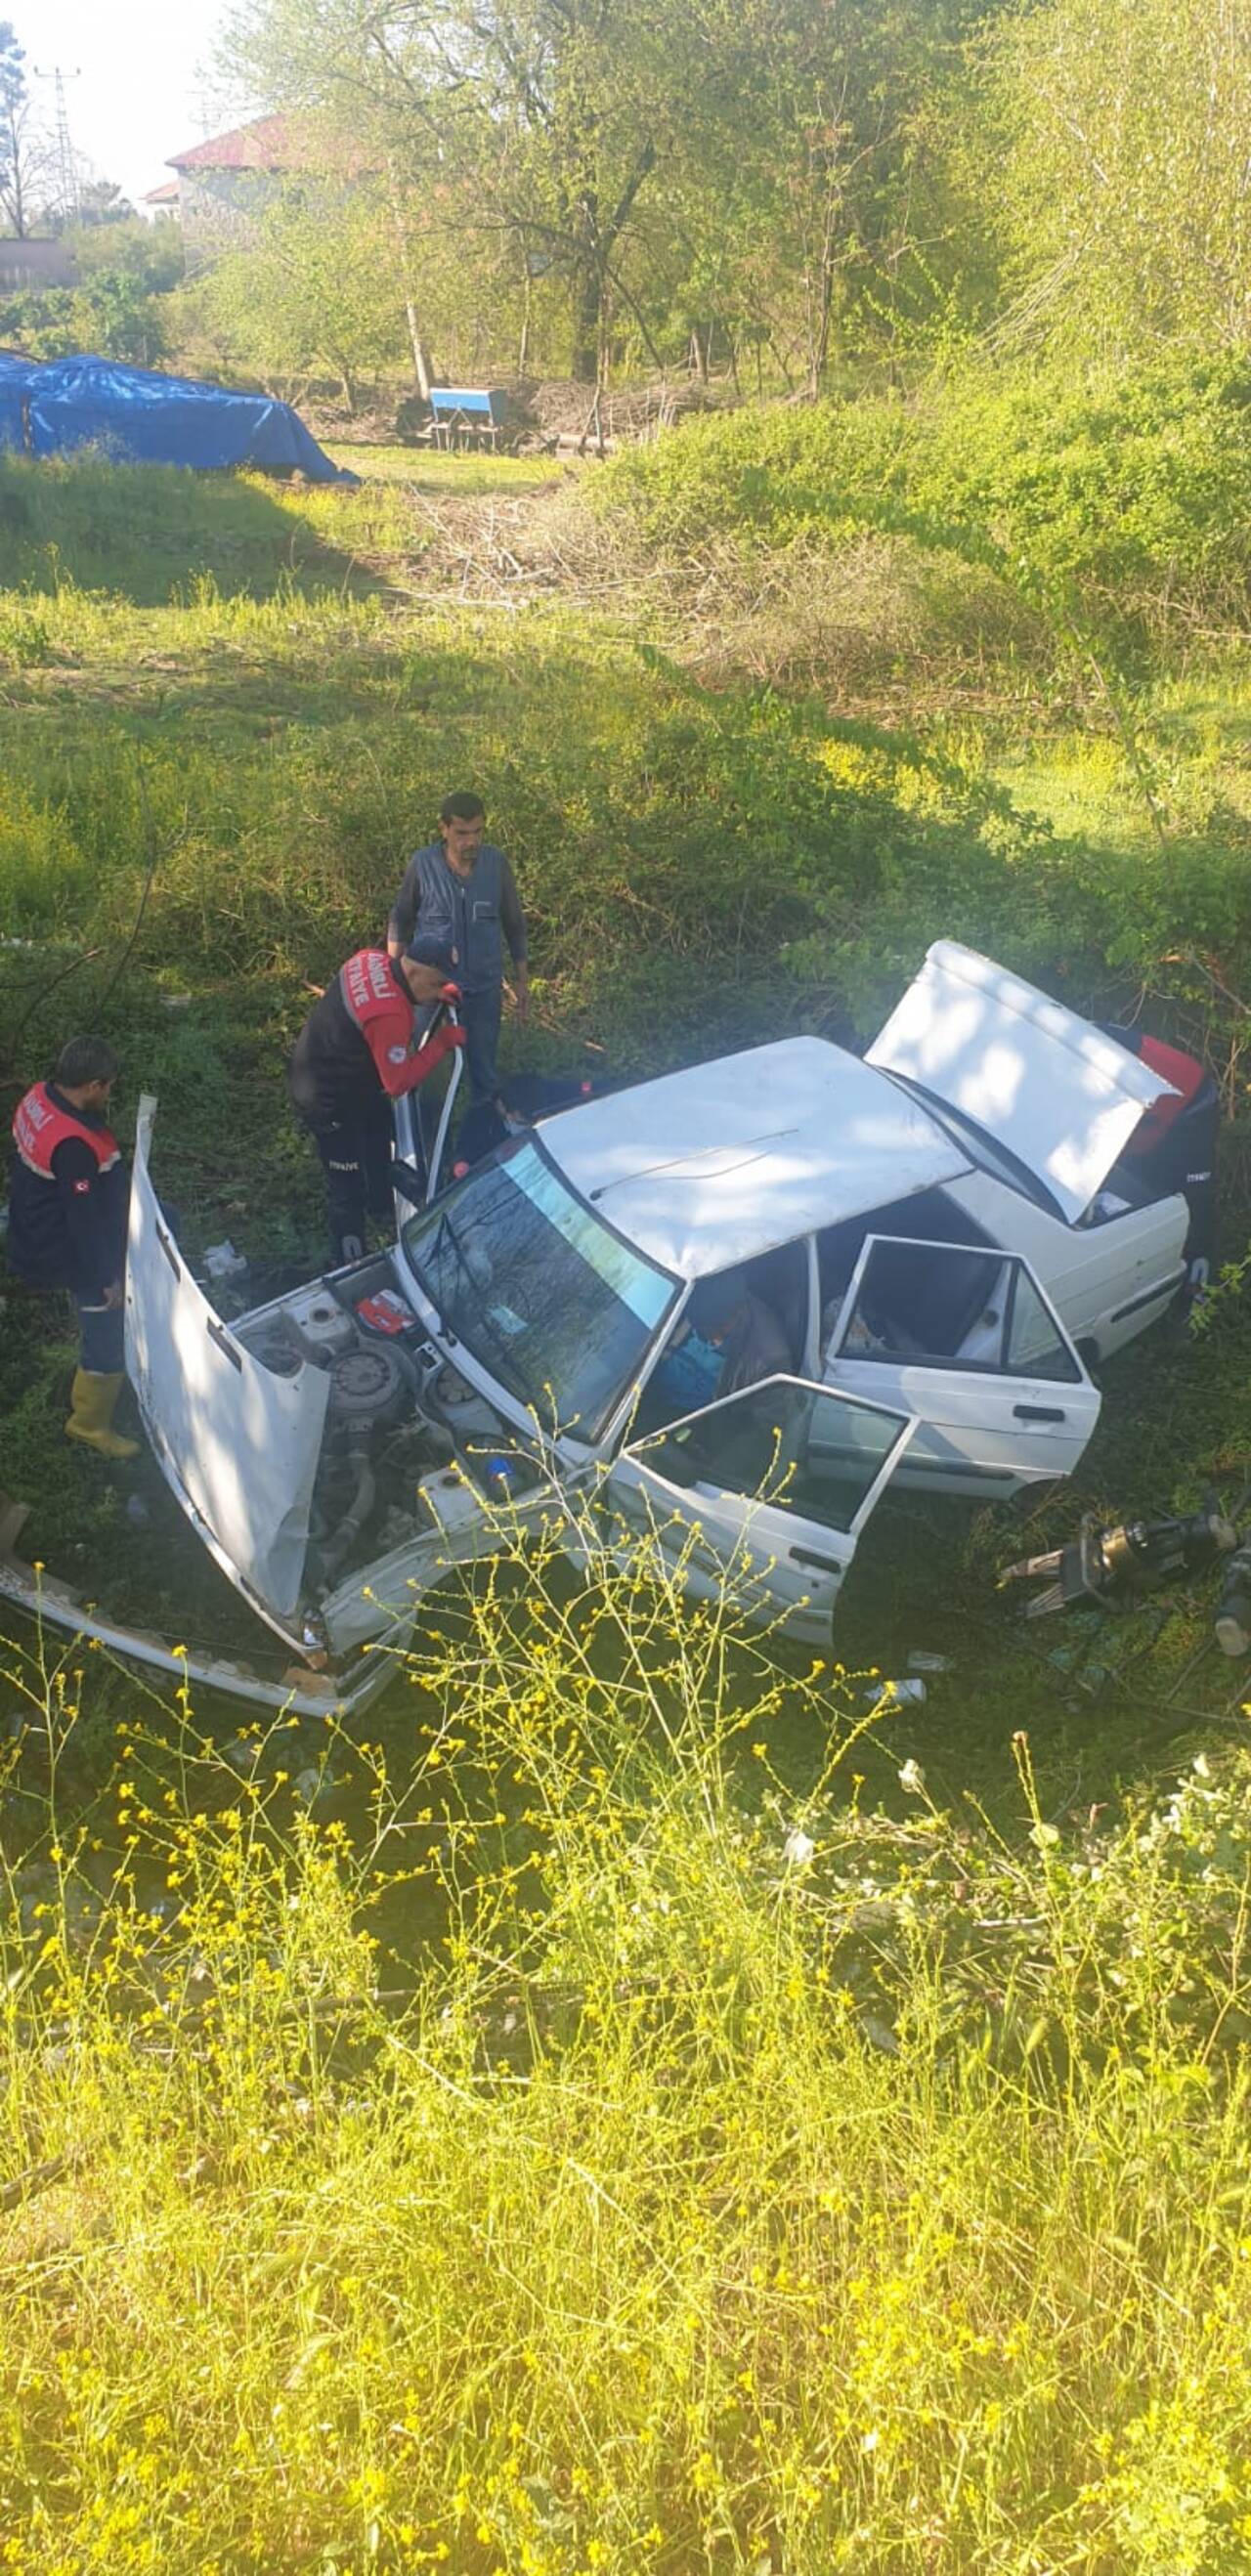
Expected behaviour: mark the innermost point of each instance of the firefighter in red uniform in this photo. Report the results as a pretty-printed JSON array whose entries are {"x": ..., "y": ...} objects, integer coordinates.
[
  {"x": 356, "y": 1053},
  {"x": 68, "y": 1197}
]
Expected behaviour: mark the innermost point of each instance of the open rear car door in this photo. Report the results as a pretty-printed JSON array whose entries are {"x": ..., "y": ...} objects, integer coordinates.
[
  {"x": 1059, "y": 1095},
  {"x": 237, "y": 1442},
  {"x": 964, "y": 1340},
  {"x": 765, "y": 1494}
]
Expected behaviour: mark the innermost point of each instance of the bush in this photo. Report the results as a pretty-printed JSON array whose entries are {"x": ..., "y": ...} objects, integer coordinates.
[{"x": 1125, "y": 501}]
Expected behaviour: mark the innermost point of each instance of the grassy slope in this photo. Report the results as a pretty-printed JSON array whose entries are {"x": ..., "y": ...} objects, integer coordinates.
[
  {"x": 276, "y": 737},
  {"x": 221, "y": 678}
]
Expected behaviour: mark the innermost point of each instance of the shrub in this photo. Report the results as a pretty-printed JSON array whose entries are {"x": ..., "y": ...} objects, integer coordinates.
[{"x": 1124, "y": 500}]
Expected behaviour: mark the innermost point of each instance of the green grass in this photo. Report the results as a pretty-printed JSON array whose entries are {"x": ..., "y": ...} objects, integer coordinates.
[
  {"x": 429, "y": 471},
  {"x": 148, "y": 534}
]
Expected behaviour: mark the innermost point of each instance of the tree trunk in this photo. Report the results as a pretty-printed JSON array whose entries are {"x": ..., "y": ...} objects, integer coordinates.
[
  {"x": 602, "y": 240},
  {"x": 523, "y": 346},
  {"x": 423, "y": 366},
  {"x": 586, "y": 330}
]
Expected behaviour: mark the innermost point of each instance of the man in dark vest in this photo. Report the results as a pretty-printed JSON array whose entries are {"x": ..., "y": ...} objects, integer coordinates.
[
  {"x": 461, "y": 889},
  {"x": 68, "y": 1198},
  {"x": 356, "y": 1053}
]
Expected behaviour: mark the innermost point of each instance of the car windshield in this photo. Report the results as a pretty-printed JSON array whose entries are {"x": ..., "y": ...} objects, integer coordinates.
[{"x": 549, "y": 1299}]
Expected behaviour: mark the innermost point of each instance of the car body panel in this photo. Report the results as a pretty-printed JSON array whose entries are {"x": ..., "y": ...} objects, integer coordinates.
[
  {"x": 786, "y": 1565},
  {"x": 300, "y": 1690},
  {"x": 237, "y": 1444},
  {"x": 727, "y": 1160},
  {"x": 1106, "y": 1281},
  {"x": 464, "y": 1529},
  {"x": 1045, "y": 1084},
  {"x": 982, "y": 1428}
]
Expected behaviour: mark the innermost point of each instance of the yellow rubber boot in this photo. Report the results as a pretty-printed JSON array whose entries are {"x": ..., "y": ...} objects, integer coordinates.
[{"x": 93, "y": 1401}]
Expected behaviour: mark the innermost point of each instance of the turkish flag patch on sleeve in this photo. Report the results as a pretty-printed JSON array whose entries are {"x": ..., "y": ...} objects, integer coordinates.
[{"x": 81, "y": 1188}]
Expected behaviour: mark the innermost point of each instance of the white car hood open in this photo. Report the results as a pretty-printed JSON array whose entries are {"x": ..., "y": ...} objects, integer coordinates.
[
  {"x": 238, "y": 1445},
  {"x": 1056, "y": 1092}
]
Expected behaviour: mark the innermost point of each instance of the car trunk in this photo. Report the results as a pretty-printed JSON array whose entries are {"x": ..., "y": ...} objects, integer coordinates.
[{"x": 1058, "y": 1094}]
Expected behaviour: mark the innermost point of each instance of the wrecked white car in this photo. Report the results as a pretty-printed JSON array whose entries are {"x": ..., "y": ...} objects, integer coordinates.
[{"x": 946, "y": 1234}]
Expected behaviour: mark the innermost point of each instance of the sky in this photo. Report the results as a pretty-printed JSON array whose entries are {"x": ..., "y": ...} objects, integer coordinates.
[{"x": 145, "y": 79}]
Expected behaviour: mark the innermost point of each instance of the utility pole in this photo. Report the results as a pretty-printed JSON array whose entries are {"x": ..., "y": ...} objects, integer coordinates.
[{"x": 66, "y": 166}]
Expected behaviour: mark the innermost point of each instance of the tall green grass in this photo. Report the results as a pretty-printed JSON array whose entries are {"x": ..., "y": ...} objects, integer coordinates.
[
  {"x": 1122, "y": 500},
  {"x": 145, "y": 533},
  {"x": 592, "y": 2158}
]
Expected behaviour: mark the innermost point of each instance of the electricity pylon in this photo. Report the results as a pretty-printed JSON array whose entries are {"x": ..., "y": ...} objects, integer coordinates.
[{"x": 63, "y": 150}]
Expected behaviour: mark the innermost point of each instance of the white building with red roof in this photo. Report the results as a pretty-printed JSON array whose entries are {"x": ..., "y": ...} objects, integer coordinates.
[{"x": 225, "y": 185}]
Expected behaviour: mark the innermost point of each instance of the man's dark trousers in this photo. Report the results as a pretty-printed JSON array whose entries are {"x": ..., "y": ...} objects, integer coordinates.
[
  {"x": 356, "y": 1157},
  {"x": 481, "y": 1013}
]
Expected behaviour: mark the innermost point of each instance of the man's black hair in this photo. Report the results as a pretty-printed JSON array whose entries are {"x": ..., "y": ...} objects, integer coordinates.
[
  {"x": 462, "y": 808},
  {"x": 84, "y": 1060}
]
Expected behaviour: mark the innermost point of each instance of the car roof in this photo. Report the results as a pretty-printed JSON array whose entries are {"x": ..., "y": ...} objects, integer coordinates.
[{"x": 708, "y": 1167}]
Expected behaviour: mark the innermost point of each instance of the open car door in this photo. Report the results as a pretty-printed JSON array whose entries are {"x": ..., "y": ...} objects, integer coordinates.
[
  {"x": 763, "y": 1494},
  {"x": 965, "y": 1341},
  {"x": 1062, "y": 1097},
  {"x": 420, "y": 1129},
  {"x": 237, "y": 1443}
]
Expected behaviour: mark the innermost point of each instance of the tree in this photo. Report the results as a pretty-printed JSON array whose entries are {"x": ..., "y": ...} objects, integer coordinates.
[
  {"x": 670, "y": 171},
  {"x": 318, "y": 294},
  {"x": 100, "y": 201},
  {"x": 150, "y": 254},
  {"x": 533, "y": 121},
  {"x": 24, "y": 159},
  {"x": 1119, "y": 132}
]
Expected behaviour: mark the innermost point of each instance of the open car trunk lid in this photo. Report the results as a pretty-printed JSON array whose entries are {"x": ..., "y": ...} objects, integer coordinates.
[
  {"x": 237, "y": 1444},
  {"x": 1061, "y": 1097}
]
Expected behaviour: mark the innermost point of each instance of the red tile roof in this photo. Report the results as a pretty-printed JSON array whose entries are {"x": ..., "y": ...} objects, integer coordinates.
[
  {"x": 269, "y": 143},
  {"x": 166, "y": 196}
]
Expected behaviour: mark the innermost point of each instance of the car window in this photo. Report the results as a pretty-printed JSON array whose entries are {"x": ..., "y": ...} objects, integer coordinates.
[
  {"x": 551, "y": 1300},
  {"x": 801, "y": 1449},
  {"x": 929, "y": 1215},
  {"x": 1034, "y": 1346},
  {"x": 931, "y": 1304},
  {"x": 936, "y": 1305}
]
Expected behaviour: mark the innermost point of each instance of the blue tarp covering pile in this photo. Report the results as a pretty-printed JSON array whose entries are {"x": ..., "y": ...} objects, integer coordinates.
[{"x": 152, "y": 420}]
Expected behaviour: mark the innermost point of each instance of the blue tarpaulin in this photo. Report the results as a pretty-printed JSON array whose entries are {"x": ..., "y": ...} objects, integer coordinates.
[{"x": 146, "y": 419}]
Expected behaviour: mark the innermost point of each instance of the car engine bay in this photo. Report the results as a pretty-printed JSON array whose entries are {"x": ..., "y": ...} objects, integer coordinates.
[{"x": 399, "y": 1417}]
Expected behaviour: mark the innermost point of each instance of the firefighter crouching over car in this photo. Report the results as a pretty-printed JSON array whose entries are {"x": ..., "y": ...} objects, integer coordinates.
[
  {"x": 355, "y": 1054},
  {"x": 68, "y": 1200}
]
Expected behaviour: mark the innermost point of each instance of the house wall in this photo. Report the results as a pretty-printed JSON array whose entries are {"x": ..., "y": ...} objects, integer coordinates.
[
  {"x": 35, "y": 264},
  {"x": 219, "y": 211}
]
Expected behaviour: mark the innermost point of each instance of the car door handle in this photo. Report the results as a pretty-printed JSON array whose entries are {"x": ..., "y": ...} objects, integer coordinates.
[
  {"x": 1038, "y": 1412},
  {"x": 811, "y": 1556}
]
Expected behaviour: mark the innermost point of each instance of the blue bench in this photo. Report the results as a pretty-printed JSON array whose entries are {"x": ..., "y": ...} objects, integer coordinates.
[{"x": 466, "y": 416}]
